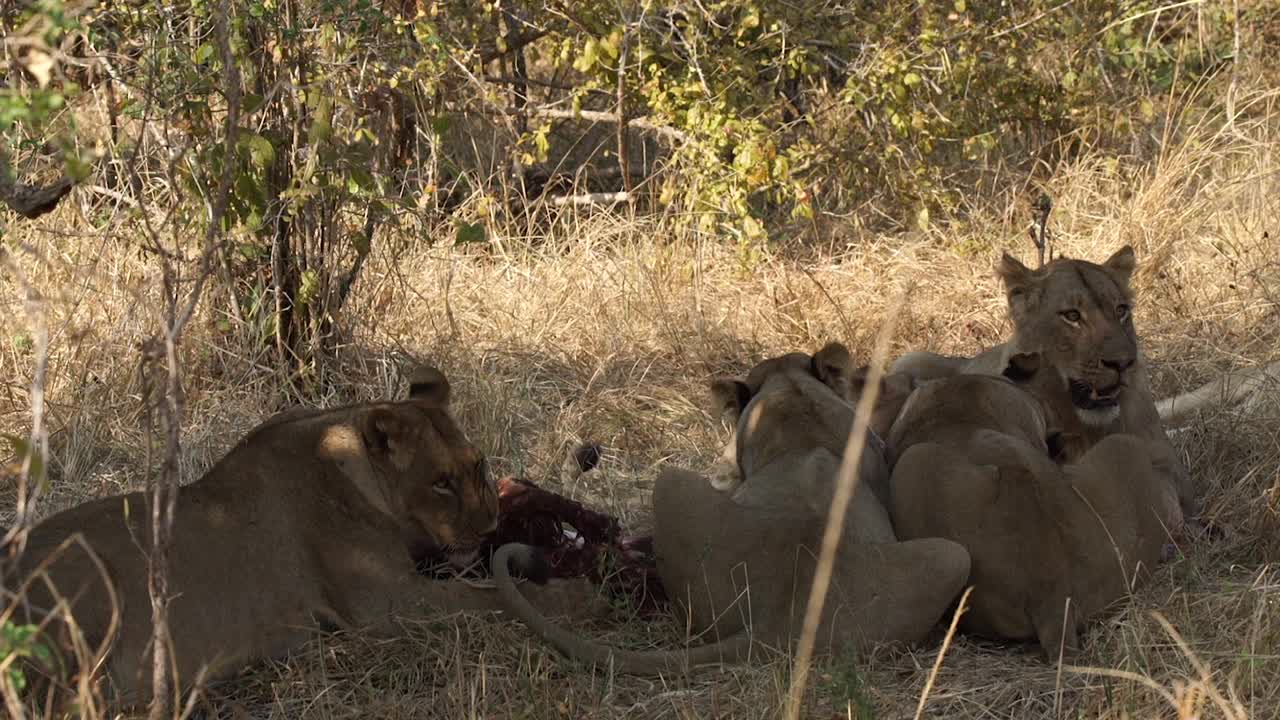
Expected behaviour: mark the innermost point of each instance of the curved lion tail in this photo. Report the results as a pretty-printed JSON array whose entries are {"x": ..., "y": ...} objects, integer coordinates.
[
  {"x": 1229, "y": 389},
  {"x": 577, "y": 647}
]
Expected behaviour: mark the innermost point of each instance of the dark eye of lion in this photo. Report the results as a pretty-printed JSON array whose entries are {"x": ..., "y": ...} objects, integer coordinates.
[
  {"x": 444, "y": 483},
  {"x": 1122, "y": 311},
  {"x": 1071, "y": 316}
]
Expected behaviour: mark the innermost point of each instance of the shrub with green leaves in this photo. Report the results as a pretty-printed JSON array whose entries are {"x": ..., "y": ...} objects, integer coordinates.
[{"x": 357, "y": 116}]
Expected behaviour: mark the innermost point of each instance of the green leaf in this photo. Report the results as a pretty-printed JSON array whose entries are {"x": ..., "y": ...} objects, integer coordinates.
[
  {"x": 76, "y": 167},
  {"x": 911, "y": 79},
  {"x": 922, "y": 218},
  {"x": 202, "y": 54},
  {"x": 309, "y": 288},
  {"x": 250, "y": 103},
  {"x": 611, "y": 43},
  {"x": 587, "y": 59},
  {"x": 261, "y": 151},
  {"x": 469, "y": 233},
  {"x": 22, "y": 448},
  {"x": 360, "y": 182}
]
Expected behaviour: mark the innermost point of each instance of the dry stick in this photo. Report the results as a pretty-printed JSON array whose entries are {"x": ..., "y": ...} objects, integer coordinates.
[
  {"x": 1206, "y": 677},
  {"x": 38, "y": 443},
  {"x": 846, "y": 483},
  {"x": 946, "y": 643},
  {"x": 624, "y": 151},
  {"x": 61, "y": 607},
  {"x": 164, "y": 493},
  {"x": 1133, "y": 677},
  {"x": 601, "y": 198},
  {"x": 1040, "y": 235}
]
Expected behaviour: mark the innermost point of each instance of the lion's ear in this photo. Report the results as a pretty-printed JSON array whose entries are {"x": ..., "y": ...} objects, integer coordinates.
[
  {"x": 1122, "y": 263},
  {"x": 427, "y": 384},
  {"x": 894, "y": 387},
  {"x": 897, "y": 385},
  {"x": 1015, "y": 276},
  {"x": 388, "y": 436},
  {"x": 833, "y": 366},
  {"x": 729, "y": 397},
  {"x": 1022, "y": 367}
]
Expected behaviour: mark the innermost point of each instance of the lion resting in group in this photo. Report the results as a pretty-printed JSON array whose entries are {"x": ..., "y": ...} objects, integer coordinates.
[
  {"x": 316, "y": 519},
  {"x": 1079, "y": 315},
  {"x": 1051, "y": 545},
  {"x": 739, "y": 563}
]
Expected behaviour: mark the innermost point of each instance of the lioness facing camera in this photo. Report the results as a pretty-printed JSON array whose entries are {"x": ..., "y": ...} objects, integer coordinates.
[
  {"x": 739, "y": 564},
  {"x": 313, "y": 520},
  {"x": 1051, "y": 545},
  {"x": 1079, "y": 316}
]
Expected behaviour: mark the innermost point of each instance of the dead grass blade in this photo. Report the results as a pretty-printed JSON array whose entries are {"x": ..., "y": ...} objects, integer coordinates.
[{"x": 846, "y": 483}]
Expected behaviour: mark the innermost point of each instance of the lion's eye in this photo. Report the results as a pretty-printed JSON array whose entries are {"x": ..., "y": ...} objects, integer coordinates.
[
  {"x": 443, "y": 485},
  {"x": 1122, "y": 311},
  {"x": 1071, "y": 316}
]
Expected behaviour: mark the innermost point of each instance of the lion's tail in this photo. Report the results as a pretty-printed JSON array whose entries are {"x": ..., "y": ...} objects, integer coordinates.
[
  {"x": 652, "y": 662},
  {"x": 1229, "y": 389}
]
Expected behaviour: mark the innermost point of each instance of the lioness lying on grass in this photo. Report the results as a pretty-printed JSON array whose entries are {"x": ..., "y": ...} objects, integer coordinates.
[
  {"x": 1051, "y": 545},
  {"x": 1079, "y": 316},
  {"x": 739, "y": 564},
  {"x": 313, "y": 520}
]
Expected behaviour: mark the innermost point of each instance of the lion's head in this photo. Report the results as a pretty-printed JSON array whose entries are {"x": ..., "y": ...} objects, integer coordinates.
[
  {"x": 795, "y": 376},
  {"x": 1047, "y": 386},
  {"x": 1079, "y": 315},
  {"x": 415, "y": 464}
]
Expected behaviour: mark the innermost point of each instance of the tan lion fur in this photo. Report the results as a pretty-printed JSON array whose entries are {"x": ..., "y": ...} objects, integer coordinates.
[
  {"x": 1051, "y": 545},
  {"x": 738, "y": 564},
  {"x": 1078, "y": 315},
  {"x": 313, "y": 520}
]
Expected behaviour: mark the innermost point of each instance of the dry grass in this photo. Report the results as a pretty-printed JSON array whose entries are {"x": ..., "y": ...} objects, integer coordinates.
[{"x": 608, "y": 327}]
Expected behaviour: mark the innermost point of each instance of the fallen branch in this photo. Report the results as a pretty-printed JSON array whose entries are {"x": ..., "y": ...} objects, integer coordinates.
[
  {"x": 603, "y": 198},
  {"x": 640, "y": 123}
]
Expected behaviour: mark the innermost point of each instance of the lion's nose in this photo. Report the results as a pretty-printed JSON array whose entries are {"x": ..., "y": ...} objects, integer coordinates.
[{"x": 1119, "y": 365}]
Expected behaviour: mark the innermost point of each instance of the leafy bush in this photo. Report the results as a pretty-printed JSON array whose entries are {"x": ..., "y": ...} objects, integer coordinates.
[{"x": 359, "y": 116}]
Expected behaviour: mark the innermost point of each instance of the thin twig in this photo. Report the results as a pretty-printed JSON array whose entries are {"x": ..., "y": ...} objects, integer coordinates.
[
  {"x": 37, "y": 450},
  {"x": 164, "y": 489},
  {"x": 946, "y": 643},
  {"x": 846, "y": 482},
  {"x": 1040, "y": 234},
  {"x": 624, "y": 150}
]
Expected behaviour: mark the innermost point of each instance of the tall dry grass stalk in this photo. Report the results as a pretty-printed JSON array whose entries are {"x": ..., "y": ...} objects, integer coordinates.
[{"x": 846, "y": 481}]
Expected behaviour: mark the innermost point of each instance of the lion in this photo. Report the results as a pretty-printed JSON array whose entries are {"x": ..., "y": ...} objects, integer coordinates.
[
  {"x": 739, "y": 564},
  {"x": 831, "y": 366},
  {"x": 1079, "y": 316},
  {"x": 1051, "y": 544},
  {"x": 315, "y": 520}
]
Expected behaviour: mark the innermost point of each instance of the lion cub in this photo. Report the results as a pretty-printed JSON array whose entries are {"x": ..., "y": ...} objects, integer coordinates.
[
  {"x": 313, "y": 520},
  {"x": 1051, "y": 545}
]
